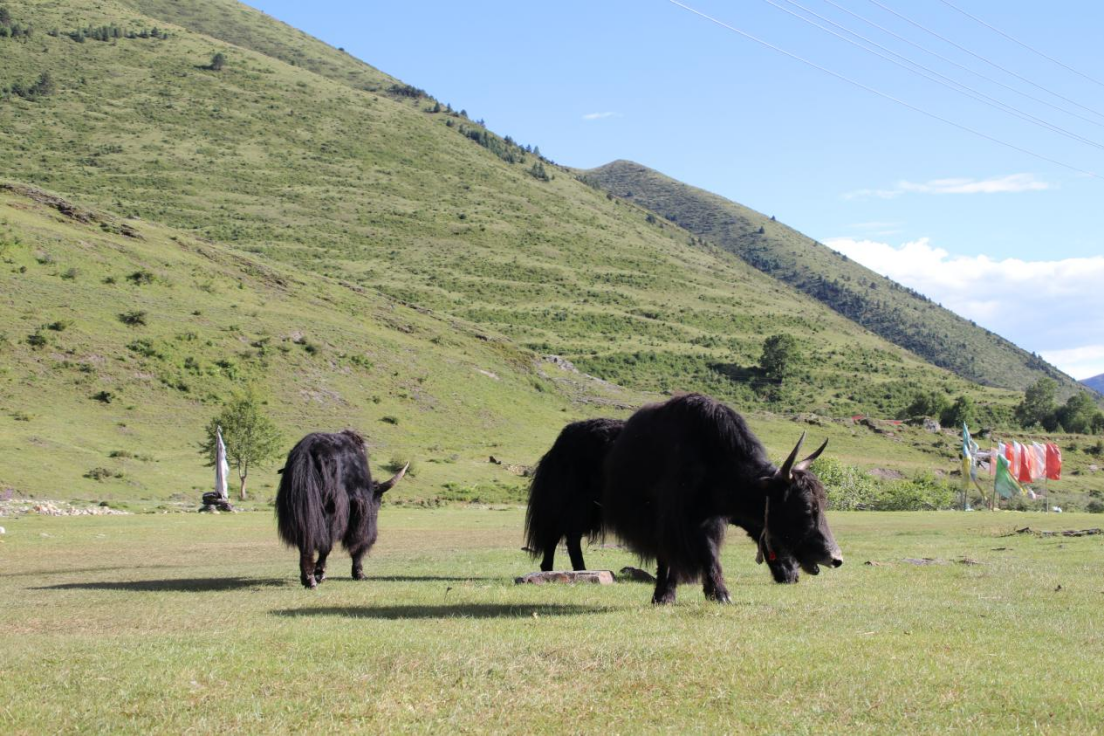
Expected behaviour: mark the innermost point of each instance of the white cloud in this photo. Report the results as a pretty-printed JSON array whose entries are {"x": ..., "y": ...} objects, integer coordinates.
[
  {"x": 1012, "y": 183},
  {"x": 1083, "y": 362},
  {"x": 1049, "y": 307},
  {"x": 601, "y": 115}
]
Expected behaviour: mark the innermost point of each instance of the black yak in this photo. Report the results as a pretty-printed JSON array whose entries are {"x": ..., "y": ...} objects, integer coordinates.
[
  {"x": 565, "y": 499},
  {"x": 566, "y": 491},
  {"x": 680, "y": 471},
  {"x": 327, "y": 495}
]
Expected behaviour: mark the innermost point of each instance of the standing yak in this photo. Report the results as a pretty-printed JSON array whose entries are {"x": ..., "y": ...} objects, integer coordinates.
[
  {"x": 327, "y": 494},
  {"x": 565, "y": 499},
  {"x": 681, "y": 470},
  {"x": 566, "y": 492}
]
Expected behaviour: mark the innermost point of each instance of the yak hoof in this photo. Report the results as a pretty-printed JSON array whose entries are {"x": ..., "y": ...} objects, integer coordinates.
[
  {"x": 319, "y": 576},
  {"x": 663, "y": 600},
  {"x": 359, "y": 575},
  {"x": 309, "y": 583},
  {"x": 721, "y": 597}
]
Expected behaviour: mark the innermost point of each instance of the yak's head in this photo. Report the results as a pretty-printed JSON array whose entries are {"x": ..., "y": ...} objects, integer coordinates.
[
  {"x": 378, "y": 489},
  {"x": 795, "y": 527}
]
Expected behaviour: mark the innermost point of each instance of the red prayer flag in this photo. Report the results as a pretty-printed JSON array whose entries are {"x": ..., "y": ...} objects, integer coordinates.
[
  {"x": 1026, "y": 458},
  {"x": 1053, "y": 462}
]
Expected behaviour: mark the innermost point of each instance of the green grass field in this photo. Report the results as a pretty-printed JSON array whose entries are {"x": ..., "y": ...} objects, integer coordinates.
[{"x": 194, "y": 623}]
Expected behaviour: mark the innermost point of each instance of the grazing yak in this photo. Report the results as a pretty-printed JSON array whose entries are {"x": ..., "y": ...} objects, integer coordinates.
[
  {"x": 327, "y": 495},
  {"x": 566, "y": 491},
  {"x": 565, "y": 499},
  {"x": 680, "y": 471}
]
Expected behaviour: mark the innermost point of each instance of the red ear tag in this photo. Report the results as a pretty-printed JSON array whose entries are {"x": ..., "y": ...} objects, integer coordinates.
[{"x": 772, "y": 556}]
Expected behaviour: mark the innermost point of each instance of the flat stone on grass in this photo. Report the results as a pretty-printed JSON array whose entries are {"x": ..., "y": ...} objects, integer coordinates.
[{"x": 601, "y": 577}]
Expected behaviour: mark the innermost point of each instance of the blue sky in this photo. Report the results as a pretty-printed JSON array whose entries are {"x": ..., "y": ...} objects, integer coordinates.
[{"x": 1003, "y": 237}]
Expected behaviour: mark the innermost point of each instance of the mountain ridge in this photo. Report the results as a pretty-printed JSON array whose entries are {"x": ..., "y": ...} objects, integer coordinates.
[{"x": 894, "y": 312}]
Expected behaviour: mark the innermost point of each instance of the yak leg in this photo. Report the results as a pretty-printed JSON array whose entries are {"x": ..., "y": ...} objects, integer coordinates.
[
  {"x": 576, "y": 552},
  {"x": 665, "y": 585},
  {"x": 713, "y": 583},
  {"x": 549, "y": 556},
  {"x": 306, "y": 568},
  {"x": 320, "y": 566},
  {"x": 358, "y": 553}
]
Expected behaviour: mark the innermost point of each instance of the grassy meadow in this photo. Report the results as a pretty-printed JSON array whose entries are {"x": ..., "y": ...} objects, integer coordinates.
[{"x": 195, "y": 623}]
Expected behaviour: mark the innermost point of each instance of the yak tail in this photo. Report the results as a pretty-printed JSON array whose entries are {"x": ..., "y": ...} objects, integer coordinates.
[
  {"x": 300, "y": 501},
  {"x": 544, "y": 516}
]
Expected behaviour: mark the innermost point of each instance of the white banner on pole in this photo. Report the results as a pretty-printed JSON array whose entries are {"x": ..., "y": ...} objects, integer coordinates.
[{"x": 222, "y": 468}]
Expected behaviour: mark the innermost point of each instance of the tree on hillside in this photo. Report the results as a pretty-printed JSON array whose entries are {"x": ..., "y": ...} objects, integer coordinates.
[
  {"x": 927, "y": 404},
  {"x": 251, "y": 437},
  {"x": 218, "y": 61},
  {"x": 781, "y": 356},
  {"x": 1079, "y": 414},
  {"x": 1038, "y": 404},
  {"x": 962, "y": 411}
]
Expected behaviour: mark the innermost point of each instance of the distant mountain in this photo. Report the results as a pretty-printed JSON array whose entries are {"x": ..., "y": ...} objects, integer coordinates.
[
  {"x": 1096, "y": 383},
  {"x": 896, "y": 313}
]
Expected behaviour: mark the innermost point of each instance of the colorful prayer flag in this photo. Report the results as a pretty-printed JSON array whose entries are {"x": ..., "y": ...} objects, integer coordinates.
[
  {"x": 1038, "y": 467},
  {"x": 1027, "y": 458},
  {"x": 1005, "y": 484},
  {"x": 1053, "y": 462}
]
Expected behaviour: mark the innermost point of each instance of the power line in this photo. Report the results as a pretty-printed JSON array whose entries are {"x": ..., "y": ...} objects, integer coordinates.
[
  {"x": 879, "y": 93},
  {"x": 931, "y": 74},
  {"x": 952, "y": 62},
  {"x": 982, "y": 58},
  {"x": 1021, "y": 43}
]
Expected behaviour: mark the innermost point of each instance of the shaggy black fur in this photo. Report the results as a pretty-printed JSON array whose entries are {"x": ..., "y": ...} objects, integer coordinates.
[
  {"x": 566, "y": 491},
  {"x": 681, "y": 470},
  {"x": 565, "y": 498},
  {"x": 327, "y": 494}
]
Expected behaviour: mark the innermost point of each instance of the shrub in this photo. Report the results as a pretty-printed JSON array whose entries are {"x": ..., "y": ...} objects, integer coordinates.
[
  {"x": 136, "y": 318},
  {"x": 849, "y": 488},
  {"x": 924, "y": 492},
  {"x": 102, "y": 474},
  {"x": 1095, "y": 507},
  {"x": 397, "y": 462}
]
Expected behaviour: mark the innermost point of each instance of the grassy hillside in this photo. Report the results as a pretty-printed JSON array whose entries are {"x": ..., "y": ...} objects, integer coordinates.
[
  {"x": 368, "y": 256},
  {"x": 427, "y": 207},
  {"x": 94, "y": 408},
  {"x": 896, "y": 313}
]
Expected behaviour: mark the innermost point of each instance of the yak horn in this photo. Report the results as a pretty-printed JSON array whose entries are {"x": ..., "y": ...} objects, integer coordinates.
[
  {"x": 804, "y": 464},
  {"x": 387, "y": 485},
  {"x": 787, "y": 467}
]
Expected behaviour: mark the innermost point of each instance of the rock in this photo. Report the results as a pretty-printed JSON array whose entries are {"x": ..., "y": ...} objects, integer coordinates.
[
  {"x": 931, "y": 425},
  {"x": 601, "y": 577},
  {"x": 214, "y": 503},
  {"x": 636, "y": 575},
  {"x": 560, "y": 362},
  {"x": 3, "y": 531}
]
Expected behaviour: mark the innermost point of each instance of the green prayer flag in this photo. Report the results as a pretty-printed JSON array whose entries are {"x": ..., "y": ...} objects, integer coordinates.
[{"x": 1006, "y": 485}]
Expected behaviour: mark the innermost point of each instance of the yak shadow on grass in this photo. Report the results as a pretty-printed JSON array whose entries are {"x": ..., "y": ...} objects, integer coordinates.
[
  {"x": 175, "y": 585},
  {"x": 424, "y": 578},
  {"x": 71, "y": 570},
  {"x": 457, "y": 610}
]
